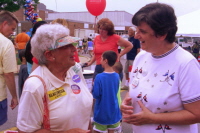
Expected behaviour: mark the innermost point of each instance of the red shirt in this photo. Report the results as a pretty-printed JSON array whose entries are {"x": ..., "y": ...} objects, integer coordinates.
[{"x": 101, "y": 46}]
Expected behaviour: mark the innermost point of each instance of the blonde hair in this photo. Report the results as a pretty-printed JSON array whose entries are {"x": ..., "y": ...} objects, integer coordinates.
[
  {"x": 7, "y": 16},
  {"x": 60, "y": 21}
]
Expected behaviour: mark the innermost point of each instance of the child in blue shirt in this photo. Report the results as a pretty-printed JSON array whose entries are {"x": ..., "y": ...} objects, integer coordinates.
[{"x": 107, "y": 114}]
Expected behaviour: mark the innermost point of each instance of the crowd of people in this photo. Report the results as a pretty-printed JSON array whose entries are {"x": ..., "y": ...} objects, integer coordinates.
[{"x": 162, "y": 86}]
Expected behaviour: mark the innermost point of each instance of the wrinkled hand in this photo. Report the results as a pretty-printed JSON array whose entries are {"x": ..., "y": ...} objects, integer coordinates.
[
  {"x": 14, "y": 102},
  {"x": 141, "y": 118},
  {"x": 77, "y": 130}
]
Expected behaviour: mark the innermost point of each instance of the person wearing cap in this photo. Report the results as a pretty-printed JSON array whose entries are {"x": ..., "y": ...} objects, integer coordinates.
[
  {"x": 58, "y": 21},
  {"x": 68, "y": 102},
  {"x": 130, "y": 56}
]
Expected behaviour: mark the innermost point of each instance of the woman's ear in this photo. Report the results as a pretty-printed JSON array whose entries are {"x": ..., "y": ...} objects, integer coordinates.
[
  {"x": 162, "y": 37},
  {"x": 49, "y": 55}
]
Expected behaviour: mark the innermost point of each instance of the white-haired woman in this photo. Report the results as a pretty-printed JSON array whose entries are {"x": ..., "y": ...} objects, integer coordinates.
[{"x": 66, "y": 104}]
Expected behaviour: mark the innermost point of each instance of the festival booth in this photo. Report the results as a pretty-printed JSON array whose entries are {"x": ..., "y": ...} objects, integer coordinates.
[{"x": 188, "y": 28}]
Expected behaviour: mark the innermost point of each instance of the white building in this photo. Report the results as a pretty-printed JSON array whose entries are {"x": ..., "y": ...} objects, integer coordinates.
[{"x": 121, "y": 19}]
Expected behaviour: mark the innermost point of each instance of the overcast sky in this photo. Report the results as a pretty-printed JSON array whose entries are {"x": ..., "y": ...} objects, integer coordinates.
[{"x": 181, "y": 7}]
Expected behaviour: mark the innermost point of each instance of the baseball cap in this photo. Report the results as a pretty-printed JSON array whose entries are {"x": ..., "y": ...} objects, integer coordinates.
[{"x": 66, "y": 40}]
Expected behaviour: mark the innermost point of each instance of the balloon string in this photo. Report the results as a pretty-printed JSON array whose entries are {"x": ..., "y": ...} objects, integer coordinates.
[{"x": 95, "y": 23}]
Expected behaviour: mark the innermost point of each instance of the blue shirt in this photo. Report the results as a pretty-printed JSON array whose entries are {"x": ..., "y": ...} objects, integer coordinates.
[
  {"x": 105, "y": 91},
  {"x": 90, "y": 44},
  {"x": 133, "y": 52}
]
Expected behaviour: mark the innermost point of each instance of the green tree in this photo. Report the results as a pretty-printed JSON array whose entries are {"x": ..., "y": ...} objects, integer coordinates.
[{"x": 13, "y": 5}]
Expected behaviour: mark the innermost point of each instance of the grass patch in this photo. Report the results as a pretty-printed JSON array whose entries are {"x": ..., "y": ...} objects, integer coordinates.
[
  {"x": 18, "y": 61},
  {"x": 75, "y": 43}
]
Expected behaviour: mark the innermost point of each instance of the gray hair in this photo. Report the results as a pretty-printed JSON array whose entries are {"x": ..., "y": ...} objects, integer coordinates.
[
  {"x": 45, "y": 39},
  {"x": 133, "y": 28}
]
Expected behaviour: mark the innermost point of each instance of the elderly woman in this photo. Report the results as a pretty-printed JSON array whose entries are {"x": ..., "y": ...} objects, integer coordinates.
[
  {"x": 55, "y": 97},
  {"x": 64, "y": 23},
  {"x": 164, "y": 93},
  {"x": 107, "y": 40}
]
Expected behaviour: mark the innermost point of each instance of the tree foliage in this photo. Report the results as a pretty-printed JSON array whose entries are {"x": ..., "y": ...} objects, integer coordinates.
[{"x": 13, "y": 5}]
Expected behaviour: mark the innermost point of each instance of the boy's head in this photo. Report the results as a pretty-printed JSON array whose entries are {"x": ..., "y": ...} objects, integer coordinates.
[
  {"x": 110, "y": 57},
  {"x": 118, "y": 68},
  {"x": 22, "y": 54}
]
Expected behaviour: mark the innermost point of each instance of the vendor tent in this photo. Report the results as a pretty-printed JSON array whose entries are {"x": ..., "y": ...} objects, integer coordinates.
[{"x": 189, "y": 24}]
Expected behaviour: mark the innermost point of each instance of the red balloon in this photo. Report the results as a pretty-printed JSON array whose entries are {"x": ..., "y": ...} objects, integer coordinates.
[{"x": 96, "y": 7}]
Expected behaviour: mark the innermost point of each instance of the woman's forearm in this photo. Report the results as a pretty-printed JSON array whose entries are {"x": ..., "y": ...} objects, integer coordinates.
[
  {"x": 189, "y": 115},
  {"x": 92, "y": 60},
  {"x": 127, "y": 46},
  {"x": 126, "y": 50},
  {"x": 182, "y": 117}
]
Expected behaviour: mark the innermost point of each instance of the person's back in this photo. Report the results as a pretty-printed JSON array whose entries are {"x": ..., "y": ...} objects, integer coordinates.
[
  {"x": 90, "y": 44},
  {"x": 80, "y": 43},
  {"x": 107, "y": 94}
]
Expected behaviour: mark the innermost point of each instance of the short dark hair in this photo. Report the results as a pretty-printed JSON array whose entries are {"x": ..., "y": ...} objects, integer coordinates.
[
  {"x": 37, "y": 25},
  {"x": 160, "y": 17},
  {"x": 111, "y": 56},
  {"x": 107, "y": 25},
  {"x": 7, "y": 16},
  {"x": 28, "y": 54},
  {"x": 21, "y": 54}
]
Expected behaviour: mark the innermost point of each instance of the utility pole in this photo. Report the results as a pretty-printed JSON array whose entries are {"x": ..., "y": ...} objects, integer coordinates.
[{"x": 56, "y": 5}]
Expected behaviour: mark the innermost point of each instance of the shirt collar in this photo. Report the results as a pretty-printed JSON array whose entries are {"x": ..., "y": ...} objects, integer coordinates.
[
  {"x": 167, "y": 53},
  {"x": 53, "y": 79}
]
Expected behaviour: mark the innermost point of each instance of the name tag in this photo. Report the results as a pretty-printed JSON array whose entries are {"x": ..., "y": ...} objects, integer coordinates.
[
  {"x": 76, "y": 68},
  {"x": 56, "y": 93}
]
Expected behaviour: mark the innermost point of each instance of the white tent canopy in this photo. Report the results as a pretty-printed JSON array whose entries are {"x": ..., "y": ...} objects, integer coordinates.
[{"x": 189, "y": 24}]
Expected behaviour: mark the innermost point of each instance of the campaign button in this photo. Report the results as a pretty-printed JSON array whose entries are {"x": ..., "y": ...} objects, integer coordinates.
[
  {"x": 75, "y": 89},
  {"x": 76, "y": 78}
]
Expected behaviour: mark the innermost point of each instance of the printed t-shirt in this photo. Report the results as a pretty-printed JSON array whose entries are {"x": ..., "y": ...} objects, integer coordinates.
[{"x": 163, "y": 84}]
